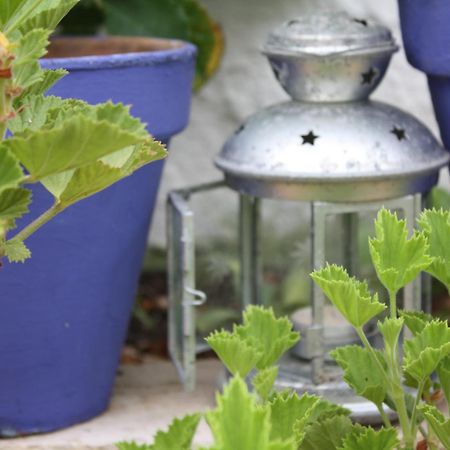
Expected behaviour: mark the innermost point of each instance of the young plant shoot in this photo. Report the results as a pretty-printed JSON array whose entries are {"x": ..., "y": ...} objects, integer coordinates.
[
  {"x": 268, "y": 420},
  {"x": 73, "y": 149}
]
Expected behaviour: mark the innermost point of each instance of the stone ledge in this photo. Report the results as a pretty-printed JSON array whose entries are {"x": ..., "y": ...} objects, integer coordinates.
[{"x": 146, "y": 398}]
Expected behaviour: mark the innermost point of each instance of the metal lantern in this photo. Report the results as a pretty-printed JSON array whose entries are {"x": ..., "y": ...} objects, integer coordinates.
[{"x": 330, "y": 146}]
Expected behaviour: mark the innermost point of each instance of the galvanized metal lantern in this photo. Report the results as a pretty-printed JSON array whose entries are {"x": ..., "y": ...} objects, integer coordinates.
[{"x": 329, "y": 146}]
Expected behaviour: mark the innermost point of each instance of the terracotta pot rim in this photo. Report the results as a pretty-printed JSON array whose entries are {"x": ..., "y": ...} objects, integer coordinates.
[{"x": 114, "y": 51}]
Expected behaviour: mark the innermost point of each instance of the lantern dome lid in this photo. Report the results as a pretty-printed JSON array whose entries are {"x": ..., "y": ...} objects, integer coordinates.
[
  {"x": 357, "y": 151},
  {"x": 326, "y": 33}
]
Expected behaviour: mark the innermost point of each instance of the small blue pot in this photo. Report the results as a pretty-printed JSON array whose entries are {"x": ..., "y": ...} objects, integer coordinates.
[
  {"x": 426, "y": 37},
  {"x": 65, "y": 311}
]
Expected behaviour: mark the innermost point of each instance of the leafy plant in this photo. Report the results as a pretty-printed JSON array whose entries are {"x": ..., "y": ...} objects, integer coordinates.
[
  {"x": 73, "y": 149},
  {"x": 269, "y": 420},
  {"x": 176, "y": 19}
]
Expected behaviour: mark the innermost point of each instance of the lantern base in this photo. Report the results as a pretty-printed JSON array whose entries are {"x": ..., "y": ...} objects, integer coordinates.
[{"x": 296, "y": 374}]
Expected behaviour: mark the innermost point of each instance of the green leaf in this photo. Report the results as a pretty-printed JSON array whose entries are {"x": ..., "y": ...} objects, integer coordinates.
[
  {"x": 11, "y": 174},
  {"x": 350, "y": 296},
  {"x": 273, "y": 336},
  {"x": 391, "y": 329},
  {"x": 16, "y": 251},
  {"x": 443, "y": 371},
  {"x": 47, "y": 15},
  {"x": 238, "y": 356},
  {"x": 369, "y": 439},
  {"x": 14, "y": 203},
  {"x": 397, "y": 259},
  {"x": 31, "y": 47},
  {"x": 78, "y": 141},
  {"x": 179, "y": 435},
  {"x": 8, "y": 8},
  {"x": 132, "y": 446},
  {"x": 425, "y": 351},
  {"x": 361, "y": 372},
  {"x": 48, "y": 79},
  {"x": 328, "y": 434},
  {"x": 176, "y": 19},
  {"x": 436, "y": 226},
  {"x": 416, "y": 320},
  {"x": 264, "y": 380},
  {"x": 290, "y": 414},
  {"x": 240, "y": 423},
  {"x": 439, "y": 424}
]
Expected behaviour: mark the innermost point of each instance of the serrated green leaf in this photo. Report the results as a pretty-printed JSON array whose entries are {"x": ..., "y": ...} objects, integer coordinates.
[
  {"x": 439, "y": 424},
  {"x": 48, "y": 79},
  {"x": 47, "y": 15},
  {"x": 8, "y": 8},
  {"x": 391, "y": 329},
  {"x": 16, "y": 251},
  {"x": 31, "y": 47},
  {"x": 369, "y": 439},
  {"x": 11, "y": 173},
  {"x": 443, "y": 371},
  {"x": 272, "y": 336},
  {"x": 77, "y": 142},
  {"x": 361, "y": 372},
  {"x": 350, "y": 296},
  {"x": 179, "y": 435},
  {"x": 264, "y": 380},
  {"x": 239, "y": 422},
  {"x": 328, "y": 434},
  {"x": 132, "y": 446},
  {"x": 425, "y": 351},
  {"x": 290, "y": 414},
  {"x": 436, "y": 226},
  {"x": 14, "y": 203},
  {"x": 397, "y": 259},
  {"x": 238, "y": 356},
  {"x": 416, "y": 320}
]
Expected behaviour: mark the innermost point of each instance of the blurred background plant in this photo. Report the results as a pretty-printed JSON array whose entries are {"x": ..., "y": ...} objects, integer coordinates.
[{"x": 187, "y": 20}]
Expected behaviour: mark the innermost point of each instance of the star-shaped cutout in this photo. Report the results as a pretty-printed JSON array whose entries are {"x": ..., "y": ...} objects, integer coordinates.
[
  {"x": 363, "y": 22},
  {"x": 400, "y": 133},
  {"x": 369, "y": 76},
  {"x": 309, "y": 138}
]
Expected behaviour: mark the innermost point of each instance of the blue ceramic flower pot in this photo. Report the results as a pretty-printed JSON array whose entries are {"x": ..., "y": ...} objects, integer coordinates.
[
  {"x": 426, "y": 37},
  {"x": 65, "y": 311}
]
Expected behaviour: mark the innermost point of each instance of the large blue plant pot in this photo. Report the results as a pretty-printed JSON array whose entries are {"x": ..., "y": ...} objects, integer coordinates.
[
  {"x": 65, "y": 311},
  {"x": 426, "y": 37}
]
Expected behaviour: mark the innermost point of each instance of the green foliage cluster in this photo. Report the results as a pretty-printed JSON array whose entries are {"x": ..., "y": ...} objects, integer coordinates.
[
  {"x": 268, "y": 420},
  {"x": 174, "y": 19},
  {"x": 73, "y": 149}
]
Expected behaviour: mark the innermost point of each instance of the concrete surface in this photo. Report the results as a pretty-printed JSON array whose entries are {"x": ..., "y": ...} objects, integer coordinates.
[{"x": 146, "y": 399}]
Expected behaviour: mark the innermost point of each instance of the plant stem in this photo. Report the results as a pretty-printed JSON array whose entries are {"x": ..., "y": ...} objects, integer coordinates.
[
  {"x": 4, "y": 110},
  {"x": 386, "y": 421},
  {"x": 416, "y": 404},
  {"x": 41, "y": 220},
  {"x": 393, "y": 304}
]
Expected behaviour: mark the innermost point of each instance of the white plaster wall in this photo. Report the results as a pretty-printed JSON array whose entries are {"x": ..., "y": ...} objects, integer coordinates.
[{"x": 245, "y": 84}]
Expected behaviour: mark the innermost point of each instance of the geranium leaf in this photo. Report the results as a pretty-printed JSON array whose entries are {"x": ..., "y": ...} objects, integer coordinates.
[
  {"x": 48, "y": 79},
  {"x": 16, "y": 251},
  {"x": 328, "y": 434},
  {"x": 350, "y": 296},
  {"x": 273, "y": 336},
  {"x": 8, "y": 8},
  {"x": 436, "y": 226},
  {"x": 77, "y": 142},
  {"x": 416, "y": 320},
  {"x": 439, "y": 424},
  {"x": 132, "y": 446},
  {"x": 14, "y": 203},
  {"x": 264, "y": 380},
  {"x": 425, "y": 351},
  {"x": 384, "y": 439},
  {"x": 397, "y": 259},
  {"x": 239, "y": 422},
  {"x": 443, "y": 371},
  {"x": 361, "y": 372},
  {"x": 237, "y": 354},
  {"x": 391, "y": 329},
  {"x": 11, "y": 173}
]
